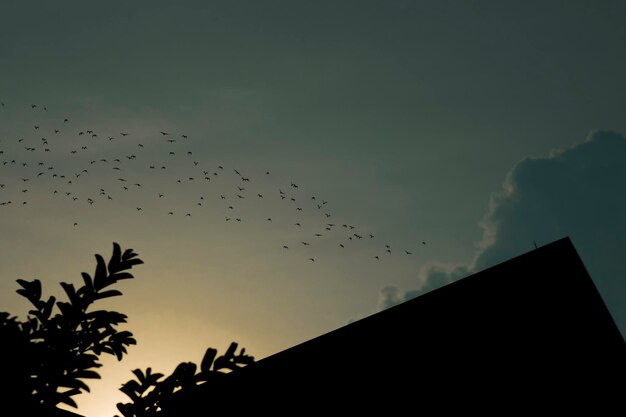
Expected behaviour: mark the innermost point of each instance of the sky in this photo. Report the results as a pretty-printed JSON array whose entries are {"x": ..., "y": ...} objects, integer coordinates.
[{"x": 457, "y": 134}]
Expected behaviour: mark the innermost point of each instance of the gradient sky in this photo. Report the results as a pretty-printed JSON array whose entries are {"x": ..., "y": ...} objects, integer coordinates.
[{"x": 477, "y": 127}]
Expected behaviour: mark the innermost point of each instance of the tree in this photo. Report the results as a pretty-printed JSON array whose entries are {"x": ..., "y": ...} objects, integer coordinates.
[
  {"x": 48, "y": 356},
  {"x": 151, "y": 395}
]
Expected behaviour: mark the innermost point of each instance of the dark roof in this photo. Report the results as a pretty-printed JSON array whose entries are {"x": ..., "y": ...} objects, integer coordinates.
[{"x": 529, "y": 330}]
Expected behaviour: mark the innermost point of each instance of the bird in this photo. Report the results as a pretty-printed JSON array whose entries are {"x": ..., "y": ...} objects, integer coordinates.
[
  {"x": 311, "y": 259},
  {"x": 407, "y": 252},
  {"x": 164, "y": 133}
]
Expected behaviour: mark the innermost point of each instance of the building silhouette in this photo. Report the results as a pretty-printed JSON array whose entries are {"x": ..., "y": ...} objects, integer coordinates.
[{"x": 531, "y": 334}]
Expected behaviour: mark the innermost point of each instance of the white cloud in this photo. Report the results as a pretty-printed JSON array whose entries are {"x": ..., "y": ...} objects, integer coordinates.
[{"x": 579, "y": 192}]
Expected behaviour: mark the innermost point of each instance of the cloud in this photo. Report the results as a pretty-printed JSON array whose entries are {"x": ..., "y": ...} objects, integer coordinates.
[{"x": 576, "y": 192}]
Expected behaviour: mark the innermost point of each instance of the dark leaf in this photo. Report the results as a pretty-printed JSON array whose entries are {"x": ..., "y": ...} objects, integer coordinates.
[
  {"x": 47, "y": 310},
  {"x": 101, "y": 274},
  {"x": 75, "y": 383},
  {"x": 67, "y": 310},
  {"x": 131, "y": 387},
  {"x": 31, "y": 290},
  {"x": 86, "y": 374},
  {"x": 141, "y": 377},
  {"x": 129, "y": 263},
  {"x": 128, "y": 254},
  {"x": 71, "y": 294},
  {"x": 65, "y": 398},
  {"x": 88, "y": 281},
  {"x": 114, "y": 262},
  {"x": 120, "y": 275},
  {"x": 106, "y": 294},
  {"x": 125, "y": 409},
  {"x": 207, "y": 361},
  {"x": 109, "y": 317}
]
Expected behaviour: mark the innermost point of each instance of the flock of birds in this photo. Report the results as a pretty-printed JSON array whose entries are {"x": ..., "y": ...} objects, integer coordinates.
[{"x": 83, "y": 165}]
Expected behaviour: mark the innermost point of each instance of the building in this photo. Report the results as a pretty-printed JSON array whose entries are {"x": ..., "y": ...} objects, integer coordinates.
[{"x": 530, "y": 334}]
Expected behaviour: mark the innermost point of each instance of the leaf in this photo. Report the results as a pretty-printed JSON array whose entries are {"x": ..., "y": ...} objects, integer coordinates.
[
  {"x": 88, "y": 280},
  {"x": 47, "y": 310},
  {"x": 120, "y": 276},
  {"x": 75, "y": 383},
  {"x": 106, "y": 294},
  {"x": 141, "y": 377},
  {"x": 132, "y": 262},
  {"x": 154, "y": 378},
  {"x": 207, "y": 360},
  {"x": 131, "y": 386},
  {"x": 128, "y": 254},
  {"x": 86, "y": 374},
  {"x": 66, "y": 399},
  {"x": 71, "y": 294},
  {"x": 109, "y": 317},
  {"x": 124, "y": 337},
  {"x": 114, "y": 262},
  {"x": 31, "y": 291},
  {"x": 67, "y": 310},
  {"x": 100, "y": 274},
  {"x": 125, "y": 409}
]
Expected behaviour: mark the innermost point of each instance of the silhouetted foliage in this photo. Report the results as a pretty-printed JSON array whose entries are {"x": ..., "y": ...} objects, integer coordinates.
[
  {"x": 150, "y": 393},
  {"x": 49, "y": 356}
]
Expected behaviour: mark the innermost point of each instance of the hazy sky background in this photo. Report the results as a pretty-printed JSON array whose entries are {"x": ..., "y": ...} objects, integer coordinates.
[{"x": 477, "y": 127}]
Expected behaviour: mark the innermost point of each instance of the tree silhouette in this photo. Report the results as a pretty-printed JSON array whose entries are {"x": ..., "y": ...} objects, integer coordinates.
[
  {"x": 48, "y": 357},
  {"x": 151, "y": 395}
]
